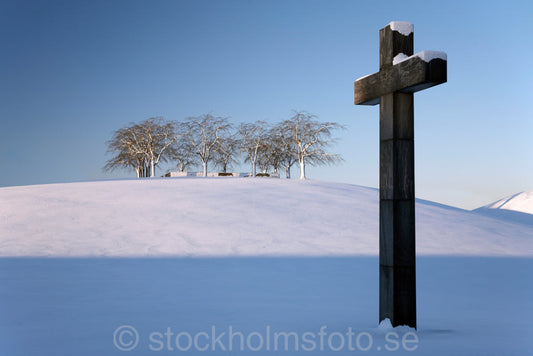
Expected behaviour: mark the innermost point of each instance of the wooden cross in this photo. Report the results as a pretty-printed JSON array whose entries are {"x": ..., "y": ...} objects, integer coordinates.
[{"x": 400, "y": 75}]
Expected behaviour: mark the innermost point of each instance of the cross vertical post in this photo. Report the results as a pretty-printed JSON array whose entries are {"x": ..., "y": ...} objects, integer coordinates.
[
  {"x": 397, "y": 270},
  {"x": 400, "y": 75}
]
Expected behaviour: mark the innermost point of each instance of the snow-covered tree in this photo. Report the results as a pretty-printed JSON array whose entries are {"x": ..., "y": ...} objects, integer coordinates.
[
  {"x": 203, "y": 134},
  {"x": 252, "y": 137},
  {"x": 310, "y": 139}
]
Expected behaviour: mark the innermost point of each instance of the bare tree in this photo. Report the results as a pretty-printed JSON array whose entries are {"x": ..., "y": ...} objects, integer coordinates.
[
  {"x": 271, "y": 152},
  {"x": 123, "y": 159},
  {"x": 203, "y": 134},
  {"x": 226, "y": 152},
  {"x": 123, "y": 145},
  {"x": 157, "y": 136},
  {"x": 141, "y": 146},
  {"x": 181, "y": 150},
  {"x": 310, "y": 139},
  {"x": 284, "y": 150},
  {"x": 302, "y": 138},
  {"x": 252, "y": 138},
  {"x": 183, "y": 154},
  {"x": 281, "y": 149},
  {"x": 264, "y": 160}
]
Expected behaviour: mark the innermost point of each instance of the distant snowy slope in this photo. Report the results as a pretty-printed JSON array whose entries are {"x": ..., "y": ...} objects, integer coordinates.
[
  {"x": 517, "y": 208},
  {"x": 230, "y": 217},
  {"x": 522, "y": 202}
]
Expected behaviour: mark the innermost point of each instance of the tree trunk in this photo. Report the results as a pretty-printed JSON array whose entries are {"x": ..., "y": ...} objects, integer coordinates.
[
  {"x": 152, "y": 168},
  {"x": 204, "y": 164},
  {"x": 138, "y": 172},
  {"x": 253, "y": 168},
  {"x": 302, "y": 168},
  {"x": 288, "y": 171}
]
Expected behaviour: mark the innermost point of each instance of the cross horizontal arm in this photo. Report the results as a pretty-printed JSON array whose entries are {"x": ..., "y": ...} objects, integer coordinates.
[{"x": 409, "y": 76}]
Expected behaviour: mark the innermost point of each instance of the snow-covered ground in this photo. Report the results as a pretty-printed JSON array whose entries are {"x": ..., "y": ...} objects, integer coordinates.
[
  {"x": 230, "y": 217},
  {"x": 159, "y": 265}
]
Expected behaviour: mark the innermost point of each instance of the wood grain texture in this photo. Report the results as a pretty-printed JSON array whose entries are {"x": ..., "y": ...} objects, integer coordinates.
[{"x": 409, "y": 76}]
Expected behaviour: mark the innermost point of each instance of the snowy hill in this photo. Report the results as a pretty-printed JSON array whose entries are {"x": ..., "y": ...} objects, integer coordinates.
[
  {"x": 304, "y": 275},
  {"x": 516, "y": 207},
  {"x": 522, "y": 202},
  {"x": 231, "y": 217}
]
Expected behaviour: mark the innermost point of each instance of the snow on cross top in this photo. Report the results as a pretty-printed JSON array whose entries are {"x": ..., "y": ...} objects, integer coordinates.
[{"x": 405, "y": 28}]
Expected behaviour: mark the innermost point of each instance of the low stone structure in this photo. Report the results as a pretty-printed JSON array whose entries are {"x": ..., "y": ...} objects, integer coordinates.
[{"x": 220, "y": 174}]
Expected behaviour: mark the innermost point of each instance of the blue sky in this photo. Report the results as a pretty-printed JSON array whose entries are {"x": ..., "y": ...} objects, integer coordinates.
[{"x": 72, "y": 72}]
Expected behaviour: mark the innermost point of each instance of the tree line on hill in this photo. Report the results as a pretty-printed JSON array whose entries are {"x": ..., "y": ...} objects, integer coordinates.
[{"x": 206, "y": 139}]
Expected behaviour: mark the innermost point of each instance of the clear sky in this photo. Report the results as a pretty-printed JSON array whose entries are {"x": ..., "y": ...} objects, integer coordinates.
[{"x": 72, "y": 72}]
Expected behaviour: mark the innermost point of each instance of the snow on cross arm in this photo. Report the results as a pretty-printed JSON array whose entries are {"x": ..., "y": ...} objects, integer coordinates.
[{"x": 426, "y": 56}]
